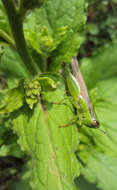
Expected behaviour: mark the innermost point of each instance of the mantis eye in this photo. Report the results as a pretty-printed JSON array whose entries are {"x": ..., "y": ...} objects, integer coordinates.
[{"x": 95, "y": 123}]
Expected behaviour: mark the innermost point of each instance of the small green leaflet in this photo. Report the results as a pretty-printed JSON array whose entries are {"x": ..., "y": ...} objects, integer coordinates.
[{"x": 11, "y": 100}]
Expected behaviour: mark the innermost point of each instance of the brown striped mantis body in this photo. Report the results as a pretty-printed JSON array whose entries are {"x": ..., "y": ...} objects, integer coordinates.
[{"x": 80, "y": 98}]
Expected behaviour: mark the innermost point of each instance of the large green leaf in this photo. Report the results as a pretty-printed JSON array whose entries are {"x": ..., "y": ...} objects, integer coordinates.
[
  {"x": 102, "y": 169},
  {"x": 55, "y": 29},
  {"x": 54, "y": 165},
  {"x": 98, "y": 151}
]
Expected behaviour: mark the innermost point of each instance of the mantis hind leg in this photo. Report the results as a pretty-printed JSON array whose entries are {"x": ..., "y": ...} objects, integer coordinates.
[
  {"x": 75, "y": 118},
  {"x": 71, "y": 122},
  {"x": 70, "y": 98}
]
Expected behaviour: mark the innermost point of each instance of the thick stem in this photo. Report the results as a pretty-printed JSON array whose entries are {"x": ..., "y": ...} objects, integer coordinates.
[{"x": 16, "y": 24}]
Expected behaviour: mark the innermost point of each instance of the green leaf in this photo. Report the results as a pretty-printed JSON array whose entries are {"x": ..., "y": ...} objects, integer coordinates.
[
  {"x": 11, "y": 150},
  {"x": 54, "y": 165},
  {"x": 68, "y": 48},
  {"x": 101, "y": 169},
  {"x": 101, "y": 66},
  {"x": 8, "y": 140},
  {"x": 3, "y": 131},
  {"x": 23, "y": 183},
  {"x": 106, "y": 109},
  {"x": 27, "y": 90},
  {"x": 55, "y": 29},
  {"x": 105, "y": 81},
  {"x": 83, "y": 184},
  {"x": 26, "y": 5},
  {"x": 93, "y": 29},
  {"x": 3, "y": 19},
  {"x": 47, "y": 82},
  {"x": 12, "y": 64},
  {"x": 97, "y": 151},
  {"x": 5, "y": 33},
  {"x": 6, "y": 38},
  {"x": 39, "y": 85},
  {"x": 12, "y": 100}
]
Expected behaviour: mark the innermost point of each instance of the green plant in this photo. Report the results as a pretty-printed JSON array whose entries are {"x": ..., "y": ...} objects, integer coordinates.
[{"x": 35, "y": 39}]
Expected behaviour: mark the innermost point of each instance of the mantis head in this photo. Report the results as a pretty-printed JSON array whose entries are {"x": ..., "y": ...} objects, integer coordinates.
[{"x": 95, "y": 123}]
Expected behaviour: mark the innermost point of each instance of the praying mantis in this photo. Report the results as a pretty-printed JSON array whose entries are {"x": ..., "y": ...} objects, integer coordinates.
[{"x": 80, "y": 98}]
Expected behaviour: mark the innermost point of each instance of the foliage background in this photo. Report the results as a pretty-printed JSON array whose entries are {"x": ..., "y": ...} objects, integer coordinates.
[{"x": 97, "y": 154}]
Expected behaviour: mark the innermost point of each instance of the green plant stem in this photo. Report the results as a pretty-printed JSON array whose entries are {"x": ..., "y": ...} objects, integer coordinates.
[{"x": 16, "y": 24}]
